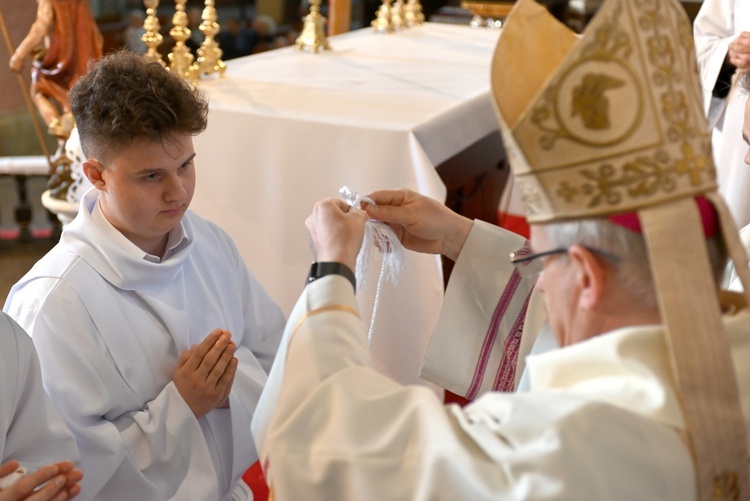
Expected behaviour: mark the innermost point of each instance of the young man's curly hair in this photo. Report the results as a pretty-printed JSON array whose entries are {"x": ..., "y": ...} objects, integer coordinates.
[{"x": 123, "y": 97}]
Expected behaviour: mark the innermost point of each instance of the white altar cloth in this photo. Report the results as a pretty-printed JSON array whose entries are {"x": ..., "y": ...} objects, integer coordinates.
[{"x": 288, "y": 128}]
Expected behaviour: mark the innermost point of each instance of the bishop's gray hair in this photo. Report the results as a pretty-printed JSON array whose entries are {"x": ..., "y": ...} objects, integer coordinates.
[{"x": 631, "y": 267}]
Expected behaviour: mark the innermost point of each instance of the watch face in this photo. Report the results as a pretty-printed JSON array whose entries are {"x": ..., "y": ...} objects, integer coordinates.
[{"x": 313, "y": 273}]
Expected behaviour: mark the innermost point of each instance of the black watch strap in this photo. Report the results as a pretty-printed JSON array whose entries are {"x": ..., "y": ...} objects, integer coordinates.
[{"x": 321, "y": 269}]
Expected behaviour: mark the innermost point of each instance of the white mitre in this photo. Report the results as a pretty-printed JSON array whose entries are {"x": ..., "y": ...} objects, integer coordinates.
[{"x": 610, "y": 123}]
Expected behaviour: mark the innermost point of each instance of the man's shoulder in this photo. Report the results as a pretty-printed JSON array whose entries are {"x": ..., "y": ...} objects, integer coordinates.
[
  {"x": 58, "y": 267},
  {"x": 55, "y": 264}
]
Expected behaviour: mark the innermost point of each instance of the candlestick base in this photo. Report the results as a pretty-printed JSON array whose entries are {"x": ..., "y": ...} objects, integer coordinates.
[
  {"x": 383, "y": 22},
  {"x": 413, "y": 13},
  {"x": 313, "y": 35}
]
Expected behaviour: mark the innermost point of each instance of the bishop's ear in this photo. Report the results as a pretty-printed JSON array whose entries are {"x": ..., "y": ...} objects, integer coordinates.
[
  {"x": 591, "y": 275},
  {"x": 94, "y": 171}
]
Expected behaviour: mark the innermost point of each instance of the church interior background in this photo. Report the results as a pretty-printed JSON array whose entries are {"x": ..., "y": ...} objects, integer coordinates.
[{"x": 27, "y": 230}]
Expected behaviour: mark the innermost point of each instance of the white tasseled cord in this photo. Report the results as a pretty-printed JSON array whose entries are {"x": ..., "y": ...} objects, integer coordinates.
[{"x": 377, "y": 235}]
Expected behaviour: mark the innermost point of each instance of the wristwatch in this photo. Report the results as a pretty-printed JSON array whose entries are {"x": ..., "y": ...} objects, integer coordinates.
[{"x": 321, "y": 269}]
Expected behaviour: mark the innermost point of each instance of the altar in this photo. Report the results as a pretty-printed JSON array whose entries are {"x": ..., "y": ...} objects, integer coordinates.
[{"x": 288, "y": 128}]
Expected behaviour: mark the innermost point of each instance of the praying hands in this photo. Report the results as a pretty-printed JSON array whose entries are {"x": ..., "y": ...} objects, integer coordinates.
[
  {"x": 57, "y": 482},
  {"x": 205, "y": 373}
]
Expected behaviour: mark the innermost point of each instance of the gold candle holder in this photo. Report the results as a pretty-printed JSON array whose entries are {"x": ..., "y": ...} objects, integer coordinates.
[
  {"x": 382, "y": 22},
  {"x": 313, "y": 34},
  {"x": 413, "y": 13},
  {"x": 152, "y": 38},
  {"x": 209, "y": 54},
  {"x": 180, "y": 59},
  {"x": 397, "y": 15}
]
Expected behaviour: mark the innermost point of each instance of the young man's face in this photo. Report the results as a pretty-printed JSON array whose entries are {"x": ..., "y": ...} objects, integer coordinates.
[{"x": 146, "y": 189}]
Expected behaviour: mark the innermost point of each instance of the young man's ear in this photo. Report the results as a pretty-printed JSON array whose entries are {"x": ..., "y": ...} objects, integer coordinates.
[
  {"x": 93, "y": 170},
  {"x": 591, "y": 275}
]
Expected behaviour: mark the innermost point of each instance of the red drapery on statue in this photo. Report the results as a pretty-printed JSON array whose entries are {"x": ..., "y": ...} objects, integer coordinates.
[{"x": 74, "y": 40}]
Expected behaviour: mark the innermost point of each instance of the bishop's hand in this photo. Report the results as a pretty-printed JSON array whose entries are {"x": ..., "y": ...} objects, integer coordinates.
[
  {"x": 739, "y": 51},
  {"x": 336, "y": 232},
  {"x": 422, "y": 224},
  {"x": 53, "y": 482}
]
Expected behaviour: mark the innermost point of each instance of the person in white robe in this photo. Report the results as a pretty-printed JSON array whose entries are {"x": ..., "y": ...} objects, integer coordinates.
[
  {"x": 608, "y": 415},
  {"x": 722, "y": 40},
  {"x": 731, "y": 277},
  {"x": 611, "y": 431},
  {"x": 154, "y": 338},
  {"x": 36, "y": 446}
]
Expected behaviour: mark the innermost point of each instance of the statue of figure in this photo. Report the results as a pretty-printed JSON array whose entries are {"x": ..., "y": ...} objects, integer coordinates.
[{"x": 61, "y": 41}]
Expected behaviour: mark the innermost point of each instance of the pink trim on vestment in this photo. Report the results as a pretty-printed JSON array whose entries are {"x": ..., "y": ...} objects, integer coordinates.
[{"x": 491, "y": 336}]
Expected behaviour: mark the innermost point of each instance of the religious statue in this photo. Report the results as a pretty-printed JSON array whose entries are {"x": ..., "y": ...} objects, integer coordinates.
[{"x": 61, "y": 41}]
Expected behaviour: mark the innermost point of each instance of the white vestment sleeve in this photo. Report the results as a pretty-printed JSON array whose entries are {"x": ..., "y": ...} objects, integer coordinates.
[
  {"x": 331, "y": 427},
  {"x": 264, "y": 325},
  {"x": 263, "y": 319},
  {"x": 33, "y": 433},
  {"x": 489, "y": 321},
  {"x": 142, "y": 454},
  {"x": 269, "y": 399}
]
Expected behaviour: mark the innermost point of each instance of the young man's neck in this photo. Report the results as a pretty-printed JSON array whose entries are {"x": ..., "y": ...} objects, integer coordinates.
[{"x": 156, "y": 246}]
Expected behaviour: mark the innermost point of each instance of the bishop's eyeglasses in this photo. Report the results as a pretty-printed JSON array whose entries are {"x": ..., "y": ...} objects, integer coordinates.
[{"x": 530, "y": 264}]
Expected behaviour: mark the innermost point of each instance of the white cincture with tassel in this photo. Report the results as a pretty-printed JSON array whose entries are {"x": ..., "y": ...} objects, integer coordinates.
[{"x": 378, "y": 235}]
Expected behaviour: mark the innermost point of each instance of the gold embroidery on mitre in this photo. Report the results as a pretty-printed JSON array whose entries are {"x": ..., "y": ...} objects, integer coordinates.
[
  {"x": 726, "y": 487},
  {"x": 531, "y": 197},
  {"x": 577, "y": 107},
  {"x": 620, "y": 126},
  {"x": 639, "y": 178}
]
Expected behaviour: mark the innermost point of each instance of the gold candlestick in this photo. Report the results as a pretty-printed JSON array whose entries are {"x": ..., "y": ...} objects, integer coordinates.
[
  {"x": 180, "y": 58},
  {"x": 209, "y": 54},
  {"x": 413, "y": 13},
  {"x": 382, "y": 22},
  {"x": 152, "y": 38},
  {"x": 397, "y": 15},
  {"x": 313, "y": 34}
]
